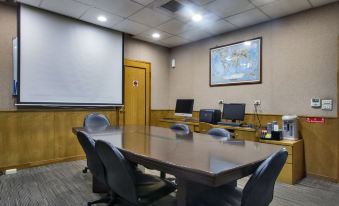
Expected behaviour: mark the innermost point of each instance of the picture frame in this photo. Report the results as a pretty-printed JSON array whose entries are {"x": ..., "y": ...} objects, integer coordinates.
[{"x": 236, "y": 64}]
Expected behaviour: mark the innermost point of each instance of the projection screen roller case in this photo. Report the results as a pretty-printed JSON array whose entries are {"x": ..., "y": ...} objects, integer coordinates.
[{"x": 68, "y": 62}]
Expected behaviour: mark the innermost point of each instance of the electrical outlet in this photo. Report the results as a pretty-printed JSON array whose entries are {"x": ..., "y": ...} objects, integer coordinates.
[
  {"x": 257, "y": 102},
  {"x": 221, "y": 101}
]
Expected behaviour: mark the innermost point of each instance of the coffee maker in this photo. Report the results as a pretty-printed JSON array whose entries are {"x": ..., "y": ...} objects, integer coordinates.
[{"x": 290, "y": 127}]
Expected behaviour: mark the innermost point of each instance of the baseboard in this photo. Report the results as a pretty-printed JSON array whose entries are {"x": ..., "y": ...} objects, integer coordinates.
[
  {"x": 325, "y": 178},
  {"x": 43, "y": 162}
]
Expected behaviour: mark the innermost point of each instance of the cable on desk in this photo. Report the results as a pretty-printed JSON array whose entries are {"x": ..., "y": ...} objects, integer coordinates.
[{"x": 257, "y": 115}]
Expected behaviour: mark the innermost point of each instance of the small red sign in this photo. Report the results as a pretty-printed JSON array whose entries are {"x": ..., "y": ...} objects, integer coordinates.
[{"x": 320, "y": 120}]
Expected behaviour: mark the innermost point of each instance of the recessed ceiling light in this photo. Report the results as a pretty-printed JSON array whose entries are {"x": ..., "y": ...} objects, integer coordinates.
[
  {"x": 102, "y": 18},
  {"x": 196, "y": 17},
  {"x": 156, "y": 35}
]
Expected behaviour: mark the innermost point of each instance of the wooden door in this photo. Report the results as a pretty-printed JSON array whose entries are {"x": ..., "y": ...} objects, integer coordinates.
[{"x": 136, "y": 93}]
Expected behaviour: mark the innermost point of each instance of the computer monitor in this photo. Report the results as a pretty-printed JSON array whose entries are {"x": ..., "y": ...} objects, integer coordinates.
[
  {"x": 184, "y": 107},
  {"x": 234, "y": 112}
]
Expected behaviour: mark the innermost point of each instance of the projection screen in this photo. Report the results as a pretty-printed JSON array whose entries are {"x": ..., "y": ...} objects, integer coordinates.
[{"x": 63, "y": 61}]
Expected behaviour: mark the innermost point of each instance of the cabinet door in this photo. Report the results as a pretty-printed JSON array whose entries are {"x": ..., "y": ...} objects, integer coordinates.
[{"x": 245, "y": 135}]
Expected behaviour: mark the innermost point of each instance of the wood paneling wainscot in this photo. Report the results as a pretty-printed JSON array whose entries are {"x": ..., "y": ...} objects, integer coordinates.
[{"x": 32, "y": 138}]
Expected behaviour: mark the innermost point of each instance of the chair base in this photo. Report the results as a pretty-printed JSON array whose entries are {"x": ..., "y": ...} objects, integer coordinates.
[{"x": 109, "y": 199}]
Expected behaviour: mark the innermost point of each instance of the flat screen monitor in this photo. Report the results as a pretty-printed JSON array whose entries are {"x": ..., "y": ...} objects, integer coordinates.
[
  {"x": 184, "y": 107},
  {"x": 234, "y": 111}
]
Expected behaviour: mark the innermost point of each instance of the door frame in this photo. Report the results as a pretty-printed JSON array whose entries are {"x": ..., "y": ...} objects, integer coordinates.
[{"x": 147, "y": 66}]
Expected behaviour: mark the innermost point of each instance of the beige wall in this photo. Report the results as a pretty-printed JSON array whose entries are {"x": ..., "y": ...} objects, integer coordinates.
[
  {"x": 299, "y": 62},
  {"x": 7, "y": 32},
  {"x": 159, "y": 58}
]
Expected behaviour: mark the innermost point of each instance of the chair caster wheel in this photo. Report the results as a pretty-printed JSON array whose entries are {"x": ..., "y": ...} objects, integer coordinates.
[{"x": 85, "y": 170}]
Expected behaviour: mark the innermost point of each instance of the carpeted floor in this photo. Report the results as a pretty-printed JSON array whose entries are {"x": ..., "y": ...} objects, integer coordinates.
[{"x": 64, "y": 184}]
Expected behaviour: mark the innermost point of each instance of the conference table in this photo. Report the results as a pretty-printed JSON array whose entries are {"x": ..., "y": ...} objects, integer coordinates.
[{"x": 193, "y": 158}]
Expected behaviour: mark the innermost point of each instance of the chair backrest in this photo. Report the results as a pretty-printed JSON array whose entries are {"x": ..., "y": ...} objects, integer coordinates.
[
  {"x": 93, "y": 161},
  {"x": 119, "y": 173},
  {"x": 183, "y": 127},
  {"x": 96, "y": 122},
  {"x": 260, "y": 187},
  {"x": 219, "y": 132}
]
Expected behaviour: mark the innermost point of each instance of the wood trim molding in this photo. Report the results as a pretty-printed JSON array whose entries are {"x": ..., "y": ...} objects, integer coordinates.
[
  {"x": 301, "y": 116},
  {"x": 44, "y": 162}
]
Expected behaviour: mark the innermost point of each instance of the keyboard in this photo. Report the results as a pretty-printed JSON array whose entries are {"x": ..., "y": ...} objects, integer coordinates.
[{"x": 233, "y": 124}]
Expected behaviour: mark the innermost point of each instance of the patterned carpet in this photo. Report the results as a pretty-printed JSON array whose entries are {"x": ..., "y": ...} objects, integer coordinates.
[{"x": 64, "y": 184}]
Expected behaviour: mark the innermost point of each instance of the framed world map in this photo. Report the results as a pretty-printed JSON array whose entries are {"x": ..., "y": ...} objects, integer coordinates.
[{"x": 237, "y": 63}]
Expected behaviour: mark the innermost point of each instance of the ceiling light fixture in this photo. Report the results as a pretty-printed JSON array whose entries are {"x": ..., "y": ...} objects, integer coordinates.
[
  {"x": 196, "y": 17},
  {"x": 102, "y": 18},
  {"x": 156, "y": 35}
]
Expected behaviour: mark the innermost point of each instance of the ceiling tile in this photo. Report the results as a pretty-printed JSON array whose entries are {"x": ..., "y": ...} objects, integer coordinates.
[
  {"x": 225, "y": 8},
  {"x": 35, "y": 3},
  {"x": 149, "y": 17},
  {"x": 218, "y": 27},
  {"x": 174, "y": 41},
  {"x": 195, "y": 34},
  {"x": 321, "y": 2},
  {"x": 261, "y": 2},
  {"x": 130, "y": 27},
  {"x": 123, "y": 8},
  {"x": 148, "y": 35},
  {"x": 208, "y": 19},
  {"x": 174, "y": 27},
  {"x": 151, "y": 41},
  {"x": 66, "y": 7},
  {"x": 92, "y": 14},
  {"x": 144, "y": 2},
  {"x": 248, "y": 18},
  {"x": 281, "y": 8},
  {"x": 88, "y": 2},
  {"x": 202, "y": 2}
]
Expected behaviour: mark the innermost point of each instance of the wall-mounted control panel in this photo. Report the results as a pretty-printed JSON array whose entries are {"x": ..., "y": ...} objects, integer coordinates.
[
  {"x": 316, "y": 103},
  {"x": 327, "y": 104}
]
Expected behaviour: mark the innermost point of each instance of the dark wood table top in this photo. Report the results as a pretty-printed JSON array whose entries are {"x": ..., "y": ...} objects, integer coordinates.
[{"x": 196, "y": 157}]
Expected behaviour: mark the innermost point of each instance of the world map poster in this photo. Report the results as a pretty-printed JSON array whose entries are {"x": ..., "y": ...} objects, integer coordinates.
[{"x": 238, "y": 63}]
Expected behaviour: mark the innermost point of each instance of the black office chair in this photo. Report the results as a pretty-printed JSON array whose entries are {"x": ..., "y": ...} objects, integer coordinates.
[
  {"x": 181, "y": 127},
  {"x": 95, "y": 165},
  {"x": 95, "y": 122},
  {"x": 257, "y": 192},
  {"x": 133, "y": 187},
  {"x": 219, "y": 132}
]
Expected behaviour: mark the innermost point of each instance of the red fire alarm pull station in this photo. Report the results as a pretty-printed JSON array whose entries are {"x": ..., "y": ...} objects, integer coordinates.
[{"x": 320, "y": 120}]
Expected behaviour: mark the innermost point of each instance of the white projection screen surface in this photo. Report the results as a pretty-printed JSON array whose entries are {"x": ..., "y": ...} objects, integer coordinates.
[{"x": 64, "y": 61}]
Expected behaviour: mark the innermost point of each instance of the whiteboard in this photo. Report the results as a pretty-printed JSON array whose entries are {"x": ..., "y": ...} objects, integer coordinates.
[{"x": 68, "y": 62}]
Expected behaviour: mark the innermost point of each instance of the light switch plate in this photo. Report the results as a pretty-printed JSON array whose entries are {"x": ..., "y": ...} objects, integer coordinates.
[{"x": 327, "y": 104}]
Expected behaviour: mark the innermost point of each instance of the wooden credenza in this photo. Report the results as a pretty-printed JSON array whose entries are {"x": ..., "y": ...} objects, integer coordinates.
[{"x": 293, "y": 169}]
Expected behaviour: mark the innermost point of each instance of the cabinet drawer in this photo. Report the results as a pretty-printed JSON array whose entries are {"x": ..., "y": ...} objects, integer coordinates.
[
  {"x": 289, "y": 159},
  {"x": 286, "y": 174}
]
